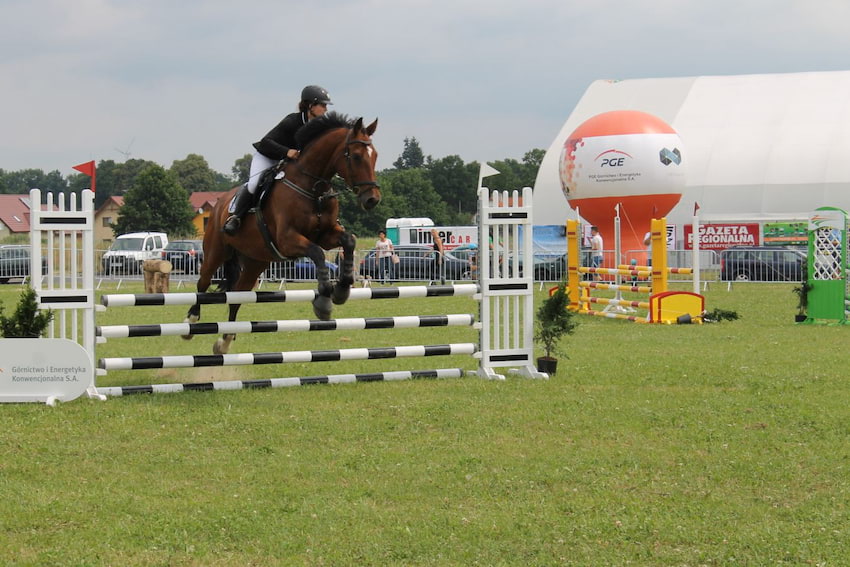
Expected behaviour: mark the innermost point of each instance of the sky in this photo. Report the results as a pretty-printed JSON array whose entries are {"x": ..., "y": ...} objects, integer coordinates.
[{"x": 485, "y": 80}]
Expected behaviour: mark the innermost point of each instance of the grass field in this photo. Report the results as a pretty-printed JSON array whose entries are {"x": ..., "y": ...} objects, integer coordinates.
[{"x": 722, "y": 444}]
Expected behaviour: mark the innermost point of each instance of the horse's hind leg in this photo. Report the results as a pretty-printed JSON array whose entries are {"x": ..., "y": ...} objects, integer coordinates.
[
  {"x": 345, "y": 280},
  {"x": 322, "y": 305}
]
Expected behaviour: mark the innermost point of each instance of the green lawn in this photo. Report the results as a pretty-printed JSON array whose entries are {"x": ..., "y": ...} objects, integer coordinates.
[{"x": 722, "y": 444}]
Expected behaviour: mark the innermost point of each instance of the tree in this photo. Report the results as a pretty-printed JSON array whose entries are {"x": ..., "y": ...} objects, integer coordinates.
[
  {"x": 156, "y": 202},
  {"x": 117, "y": 178},
  {"x": 194, "y": 174},
  {"x": 241, "y": 169},
  {"x": 457, "y": 185},
  {"x": 515, "y": 175},
  {"x": 20, "y": 182},
  {"x": 411, "y": 157}
]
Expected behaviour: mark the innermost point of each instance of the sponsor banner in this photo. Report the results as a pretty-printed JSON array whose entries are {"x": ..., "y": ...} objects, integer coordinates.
[
  {"x": 722, "y": 236},
  {"x": 452, "y": 236},
  {"x": 785, "y": 234}
]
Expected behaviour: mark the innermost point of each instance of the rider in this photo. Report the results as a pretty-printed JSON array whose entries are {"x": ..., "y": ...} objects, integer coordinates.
[{"x": 277, "y": 145}]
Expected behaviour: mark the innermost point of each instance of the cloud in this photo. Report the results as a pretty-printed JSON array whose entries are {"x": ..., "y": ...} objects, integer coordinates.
[{"x": 485, "y": 81}]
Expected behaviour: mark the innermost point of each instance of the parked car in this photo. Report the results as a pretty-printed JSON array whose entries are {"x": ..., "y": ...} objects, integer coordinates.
[
  {"x": 417, "y": 263},
  {"x": 15, "y": 262},
  {"x": 185, "y": 255},
  {"x": 129, "y": 251},
  {"x": 296, "y": 270},
  {"x": 762, "y": 264}
]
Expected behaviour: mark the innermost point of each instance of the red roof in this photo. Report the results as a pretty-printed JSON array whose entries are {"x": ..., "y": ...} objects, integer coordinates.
[
  {"x": 200, "y": 199},
  {"x": 15, "y": 212},
  {"x": 117, "y": 200}
]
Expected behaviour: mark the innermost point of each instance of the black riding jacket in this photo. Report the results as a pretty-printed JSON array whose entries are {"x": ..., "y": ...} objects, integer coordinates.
[{"x": 281, "y": 138}]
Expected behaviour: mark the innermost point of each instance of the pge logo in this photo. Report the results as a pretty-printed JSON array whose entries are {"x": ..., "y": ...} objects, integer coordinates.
[
  {"x": 612, "y": 158},
  {"x": 670, "y": 156}
]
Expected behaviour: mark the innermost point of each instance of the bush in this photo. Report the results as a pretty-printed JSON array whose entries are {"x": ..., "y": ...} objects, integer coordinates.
[
  {"x": 554, "y": 320},
  {"x": 27, "y": 321}
]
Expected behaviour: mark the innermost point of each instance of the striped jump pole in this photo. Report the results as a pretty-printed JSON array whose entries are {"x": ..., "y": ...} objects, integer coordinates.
[
  {"x": 619, "y": 302},
  {"x": 608, "y": 314},
  {"x": 244, "y": 359},
  {"x": 239, "y": 327},
  {"x": 289, "y": 296},
  {"x": 282, "y": 382},
  {"x": 649, "y": 269},
  {"x": 630, "y": 271},
  {"x": 600, "y": 285}
]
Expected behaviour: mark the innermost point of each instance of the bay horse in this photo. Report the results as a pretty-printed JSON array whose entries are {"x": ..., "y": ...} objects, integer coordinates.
[{"x": 300, "y": 215}]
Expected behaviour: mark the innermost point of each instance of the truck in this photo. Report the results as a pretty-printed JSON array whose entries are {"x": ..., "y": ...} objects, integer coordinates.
[{"x": 409, "y": 231}]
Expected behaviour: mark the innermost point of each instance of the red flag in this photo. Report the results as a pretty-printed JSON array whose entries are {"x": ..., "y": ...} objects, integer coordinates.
[
  {"x": 696, "y": 208},
  {"x": 89, "y": 169}
]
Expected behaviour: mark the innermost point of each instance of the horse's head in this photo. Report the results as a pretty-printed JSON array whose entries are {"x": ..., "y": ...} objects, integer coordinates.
[{"x": 357, "y": 164}]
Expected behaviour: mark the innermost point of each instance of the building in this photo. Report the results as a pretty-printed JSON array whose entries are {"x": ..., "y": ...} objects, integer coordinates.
[
  {"x": 203, "y": 203},
  {"x": 14, "y": 215},
  {"x": 104, "y": 217},
  {"x": 757, "y": 147}
]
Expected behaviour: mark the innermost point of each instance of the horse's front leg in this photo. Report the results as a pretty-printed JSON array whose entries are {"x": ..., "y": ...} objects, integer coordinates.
[
  {"x": 194, "y": 313},
  {"x": 345, "y": 279},
  {"x": 322, "y": 305}
]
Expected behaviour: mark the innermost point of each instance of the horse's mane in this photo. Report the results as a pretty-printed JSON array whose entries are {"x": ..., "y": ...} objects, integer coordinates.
[{"x": 318, "y": 126}]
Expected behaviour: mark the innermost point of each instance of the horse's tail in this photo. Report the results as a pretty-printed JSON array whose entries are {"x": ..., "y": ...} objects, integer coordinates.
[{"x": 231, "y": 273}]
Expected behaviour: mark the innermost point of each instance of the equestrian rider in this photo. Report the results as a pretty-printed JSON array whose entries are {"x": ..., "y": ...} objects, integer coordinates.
[{"x": 275, "y": 146}]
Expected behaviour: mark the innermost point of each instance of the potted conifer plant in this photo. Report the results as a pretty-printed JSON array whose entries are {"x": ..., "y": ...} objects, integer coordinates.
[
  {"x": 554, "y": 320},
  {"x": 802, "y": 293}
]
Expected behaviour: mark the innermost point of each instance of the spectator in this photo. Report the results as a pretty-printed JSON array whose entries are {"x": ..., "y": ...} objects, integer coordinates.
[
  {"x": 596, "y": 246},
  {"x": 384, "y": 251}
]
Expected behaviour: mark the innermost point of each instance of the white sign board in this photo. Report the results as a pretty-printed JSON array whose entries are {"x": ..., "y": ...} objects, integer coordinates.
[{"x": 43, "y": 370}]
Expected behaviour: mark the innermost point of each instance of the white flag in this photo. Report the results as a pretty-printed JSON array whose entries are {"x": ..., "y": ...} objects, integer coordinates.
[{"x": 487, "y": 171}]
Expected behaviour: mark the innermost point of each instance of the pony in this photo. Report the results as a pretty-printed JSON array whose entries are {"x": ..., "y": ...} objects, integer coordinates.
[{"x": 298, "y": 216}]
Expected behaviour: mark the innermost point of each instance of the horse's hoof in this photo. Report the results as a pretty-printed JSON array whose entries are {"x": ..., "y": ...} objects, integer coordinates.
[
  {"x": 341, "y": 294},
  {"x": 322, "y": 307},
  {"x": 221, "y": 346},
  {"x": 190, "y": 319}
]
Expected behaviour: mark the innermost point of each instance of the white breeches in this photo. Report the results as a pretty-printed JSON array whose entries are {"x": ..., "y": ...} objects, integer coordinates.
[{"x": 259, "y": 164}]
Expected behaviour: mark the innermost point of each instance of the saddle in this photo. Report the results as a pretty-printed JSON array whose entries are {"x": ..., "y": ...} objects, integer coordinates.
[{"x": 267, "y": 179}]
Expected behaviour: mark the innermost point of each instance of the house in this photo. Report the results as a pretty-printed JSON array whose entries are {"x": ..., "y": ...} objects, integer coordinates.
[
  {"x": 202, "y": 204},
  {"x": 14, "y": 215},
  {"x": 104, "y": 217}
]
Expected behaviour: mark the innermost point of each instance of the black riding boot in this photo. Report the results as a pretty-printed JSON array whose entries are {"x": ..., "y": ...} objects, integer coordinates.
[{"x": 240, "y": 207}]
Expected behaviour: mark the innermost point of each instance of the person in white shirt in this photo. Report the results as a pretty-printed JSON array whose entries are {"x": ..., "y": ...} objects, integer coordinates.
[
  {"x": 384, "y": 253},
  {"x": 596, "y": 246}
]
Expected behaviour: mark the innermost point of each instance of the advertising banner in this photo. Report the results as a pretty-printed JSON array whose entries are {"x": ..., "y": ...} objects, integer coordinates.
[{"x": 722, "y": 236}]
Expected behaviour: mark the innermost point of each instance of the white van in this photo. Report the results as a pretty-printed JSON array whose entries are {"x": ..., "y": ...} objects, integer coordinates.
[{"x": 130, "y": 250}]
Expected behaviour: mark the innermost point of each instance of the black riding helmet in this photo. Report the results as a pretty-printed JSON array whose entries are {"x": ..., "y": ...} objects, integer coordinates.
[{"x": 315, "y": 94}]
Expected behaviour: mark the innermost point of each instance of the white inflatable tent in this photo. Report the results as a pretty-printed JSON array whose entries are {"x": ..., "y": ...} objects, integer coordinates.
[{"x": 758, "y": 147}]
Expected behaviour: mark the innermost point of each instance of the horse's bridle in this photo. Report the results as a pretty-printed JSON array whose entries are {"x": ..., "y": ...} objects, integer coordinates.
[{"x": 330, "y": 193}]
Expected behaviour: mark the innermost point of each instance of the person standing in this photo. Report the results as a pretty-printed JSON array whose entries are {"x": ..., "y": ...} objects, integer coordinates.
[
  {"x": 384, "y": 253},
  {"x": 277, "y": 145},
  {"x": 596, "y": 246},
  {"x": 647, "y": 241}
]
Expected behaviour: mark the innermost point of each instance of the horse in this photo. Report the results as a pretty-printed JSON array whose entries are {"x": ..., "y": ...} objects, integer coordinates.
[{"x": 299, "y": 216}]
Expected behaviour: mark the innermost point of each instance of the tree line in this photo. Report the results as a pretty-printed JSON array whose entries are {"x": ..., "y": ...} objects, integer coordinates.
[{"x": 156, "y": 198}]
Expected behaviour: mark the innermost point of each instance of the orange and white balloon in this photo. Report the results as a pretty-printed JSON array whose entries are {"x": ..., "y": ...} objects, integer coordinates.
[{"x": 624, "y": 157}]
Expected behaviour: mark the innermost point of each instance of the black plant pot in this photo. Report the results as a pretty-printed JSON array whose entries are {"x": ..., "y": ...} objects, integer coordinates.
[
  {"x": 547, "y": 364},
  {"x": 798, "y": 318}
]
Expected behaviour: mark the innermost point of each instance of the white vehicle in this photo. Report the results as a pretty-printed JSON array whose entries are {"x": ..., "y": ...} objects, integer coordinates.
[{"x": 129, "y": 251}]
